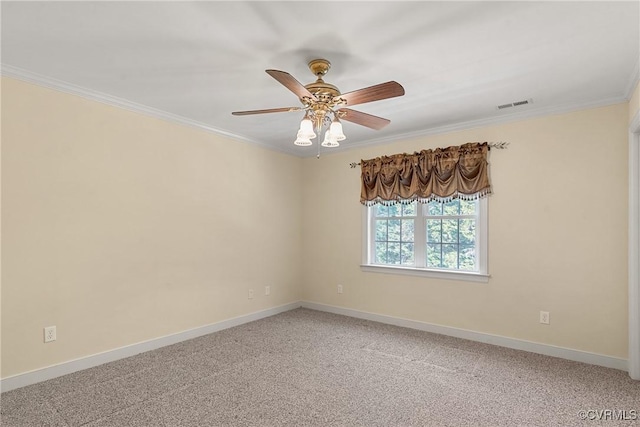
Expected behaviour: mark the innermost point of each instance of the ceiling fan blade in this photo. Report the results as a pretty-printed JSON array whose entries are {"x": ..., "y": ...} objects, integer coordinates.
[
  {"x": 271, "y": 110},
  {"x": 291, "y": 83},
  {"x": 373, "y": 93},
  {"x": 364, "y": 119}
]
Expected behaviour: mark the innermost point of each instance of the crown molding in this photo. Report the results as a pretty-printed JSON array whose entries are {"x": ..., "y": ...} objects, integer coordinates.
[
  {"x": 529, "y": 113},
  {"x": 114, "y": 101},
  {"x": 490, "y": 121}
]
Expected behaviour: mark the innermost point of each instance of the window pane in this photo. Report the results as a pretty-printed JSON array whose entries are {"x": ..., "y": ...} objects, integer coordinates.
[
  {"x": 381, "y": 252},
  {"x": 434, "y": 230},
  {"x": 467, "y": 231},
  {"x": 452, "y": 208},
  {"x": 394, "y": 230},
  {"x": 381, "y": 230},
  {"x": 435, "y": 208},
  {"x": 467, "y": 258},
  {"x": 468, "y": 207},
  {"x": 382, "y": 210},
  {"x": 449, "y": 241},
  {"x": 409, "y": 210},
  {"x": 407, "y": 230},
  {"x": 406, "y": 257},
  {"x": 394, "y": 210},
  {"x": 450, "y": 231},
  {"x": 434, "y": 256},
  {"x": 450, "y": 256},
  {"x": 393, "y": 253}
]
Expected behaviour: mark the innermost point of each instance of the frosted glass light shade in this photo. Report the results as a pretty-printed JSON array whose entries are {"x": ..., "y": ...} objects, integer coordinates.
[
  {"x": 329, "y": 140},
  {"x": 302, "y": 140},
  {"x": 306, "y": 128},
  {"x": 336, "y": 131}
]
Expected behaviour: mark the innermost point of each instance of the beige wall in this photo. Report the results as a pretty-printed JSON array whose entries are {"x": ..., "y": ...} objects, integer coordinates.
[
  {"x": 557, "y": 236},
  {"x": 120, "y": 228}
]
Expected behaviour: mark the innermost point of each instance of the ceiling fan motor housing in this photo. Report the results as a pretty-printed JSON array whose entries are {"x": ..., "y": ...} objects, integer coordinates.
[{"x": 325, "y": 92}]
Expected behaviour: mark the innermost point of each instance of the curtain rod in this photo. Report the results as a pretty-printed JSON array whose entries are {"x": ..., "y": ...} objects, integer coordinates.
[{"x": 496, "y": 145}]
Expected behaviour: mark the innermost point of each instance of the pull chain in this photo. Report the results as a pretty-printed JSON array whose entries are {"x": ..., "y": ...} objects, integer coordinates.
[{"x": 318, "y": 140}]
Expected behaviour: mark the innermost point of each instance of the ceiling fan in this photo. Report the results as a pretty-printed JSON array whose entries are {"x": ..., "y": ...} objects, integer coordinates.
[{"x": 324, "y": 104}]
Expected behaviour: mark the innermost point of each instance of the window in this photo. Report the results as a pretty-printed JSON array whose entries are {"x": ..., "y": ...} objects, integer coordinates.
[
  {"x": 451, "y": 235},
  {"x": 394, "y": 234},
  {"x": 443, "y": 239}
]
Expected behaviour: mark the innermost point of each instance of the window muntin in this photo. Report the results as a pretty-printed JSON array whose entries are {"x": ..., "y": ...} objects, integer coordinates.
[{"x": 435, "y": 236}]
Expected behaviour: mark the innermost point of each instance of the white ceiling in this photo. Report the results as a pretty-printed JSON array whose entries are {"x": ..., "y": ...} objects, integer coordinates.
[{"x": 196, "y": 62}]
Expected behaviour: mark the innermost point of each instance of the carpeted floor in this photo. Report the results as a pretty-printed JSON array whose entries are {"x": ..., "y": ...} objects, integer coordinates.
[{"x": 309, "y": 368}]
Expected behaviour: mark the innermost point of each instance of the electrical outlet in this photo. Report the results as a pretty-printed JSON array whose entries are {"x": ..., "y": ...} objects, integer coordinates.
[
  {"x": 49, "y": 333},
  {"x": 544, "y": 317},
  {"x": 267, "y": 290},
  {"x": 250, "y": 294},
  {"x": 339, "y": 289}
]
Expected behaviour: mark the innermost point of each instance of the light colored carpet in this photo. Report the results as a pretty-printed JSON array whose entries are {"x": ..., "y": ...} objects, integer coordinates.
[{"x": 309, "y": 368}]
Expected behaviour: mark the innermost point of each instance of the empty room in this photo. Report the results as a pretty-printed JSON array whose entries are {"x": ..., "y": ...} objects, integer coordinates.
[{"x": 320, "y": 213}]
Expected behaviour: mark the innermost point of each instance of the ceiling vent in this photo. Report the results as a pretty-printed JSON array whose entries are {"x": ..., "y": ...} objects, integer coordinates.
[{"x": 515, "y": 104}]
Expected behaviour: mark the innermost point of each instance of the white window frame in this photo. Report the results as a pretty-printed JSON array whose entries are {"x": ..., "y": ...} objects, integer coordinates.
[{"x": 368, "y": 243}]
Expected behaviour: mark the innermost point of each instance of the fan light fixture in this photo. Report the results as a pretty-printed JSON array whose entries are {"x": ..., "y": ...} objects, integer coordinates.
[
  {"x": 324, "y": 105},
  {"x": 332, "y": 135},
  {"x": 320, "y": 110}
]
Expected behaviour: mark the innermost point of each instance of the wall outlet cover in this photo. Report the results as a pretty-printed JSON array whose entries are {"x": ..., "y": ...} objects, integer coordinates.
[{"x": 49, "y": 333}]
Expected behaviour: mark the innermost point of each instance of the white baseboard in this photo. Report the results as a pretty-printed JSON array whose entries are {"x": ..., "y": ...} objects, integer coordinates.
[
  {"x": 36, "y": 376},
  {"x": 43, "y": 374},
  {"x": 533, "y": 347}
]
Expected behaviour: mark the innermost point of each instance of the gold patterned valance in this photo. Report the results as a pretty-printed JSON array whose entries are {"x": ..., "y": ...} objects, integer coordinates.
[{"x": 440, "y": 174}]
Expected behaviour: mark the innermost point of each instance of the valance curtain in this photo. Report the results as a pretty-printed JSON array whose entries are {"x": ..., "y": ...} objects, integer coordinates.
[{"x": 442, "y": 174}]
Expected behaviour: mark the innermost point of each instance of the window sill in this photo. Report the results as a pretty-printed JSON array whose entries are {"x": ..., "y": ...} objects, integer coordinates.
[{"x": 422, "y": 272}]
